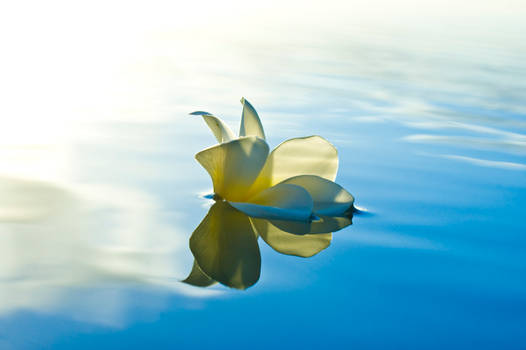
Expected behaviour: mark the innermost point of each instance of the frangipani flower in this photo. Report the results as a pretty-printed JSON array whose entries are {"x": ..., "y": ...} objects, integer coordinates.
[{"x": 293, "y": 182}]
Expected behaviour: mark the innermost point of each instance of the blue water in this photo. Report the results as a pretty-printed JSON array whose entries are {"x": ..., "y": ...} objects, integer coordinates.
[{"x": 431, "y": 137}]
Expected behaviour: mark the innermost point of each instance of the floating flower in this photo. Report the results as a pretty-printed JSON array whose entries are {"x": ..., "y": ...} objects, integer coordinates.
[{"x": 293, "y": 182}]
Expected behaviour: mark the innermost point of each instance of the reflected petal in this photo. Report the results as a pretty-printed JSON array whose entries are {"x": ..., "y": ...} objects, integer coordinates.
[
  {"x": 250, "y": 123},
  {"x": 289, "y": 243},
  {"x": 324, "y": 224},
  {"x": 198, "y": 278},
  {"x": 234, "y": 165},
  {"x": 311, "y": 155},
  {"x": 330, "y": 199},
  {"x": 295, "y": 227},
  {"x": 225, "y": 247},
  {"x": 221, "y": 131},
  {"x": 330, "y": 224},
  {"x": 283, "y": 201}
]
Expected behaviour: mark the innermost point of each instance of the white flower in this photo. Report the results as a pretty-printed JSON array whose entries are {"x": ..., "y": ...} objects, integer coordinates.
[{"x": 293, "y": 182}]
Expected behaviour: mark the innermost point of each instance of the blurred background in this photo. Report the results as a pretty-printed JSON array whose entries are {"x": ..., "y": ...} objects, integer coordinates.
[{"x": 99, "y": 190}]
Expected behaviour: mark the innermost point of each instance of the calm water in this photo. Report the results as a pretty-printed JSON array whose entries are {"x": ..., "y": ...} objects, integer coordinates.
[{"x": 100, "y": 191}]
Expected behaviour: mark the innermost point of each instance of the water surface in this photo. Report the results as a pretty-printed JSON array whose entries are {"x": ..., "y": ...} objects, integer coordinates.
[{"x": 100, "y": 191}]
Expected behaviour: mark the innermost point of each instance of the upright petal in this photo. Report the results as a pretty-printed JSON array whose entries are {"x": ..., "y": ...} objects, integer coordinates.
[
  {"x": 329, "y": 198},
  {"x": 234, "y": 165},
  {"x": 288, "y": 243},
  {"x": 250, "y": 122},
  {"x": 281, "y": 202},
  {"x": 311, "y": 155},
  {"x": 225, "y": 247},
  {"x": 221, "y": 131}
]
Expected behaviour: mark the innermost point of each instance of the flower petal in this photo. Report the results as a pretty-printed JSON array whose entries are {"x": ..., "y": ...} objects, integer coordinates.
[
  {"x": 221, "y": 131},
  {"x": 330, "y": 199},
  {"x": 250, "y": 122},
  {"x": 330, "y": 224},
  {"x": 323, "y": 224},
  {"x": 234, "y": 165},
  {"x": 311, "y": 155},
  {"x": 198, "y": 278},
  {"x": 289, "y": 243},
  {"x": 283, "y": 201},
  {"x": 225, "y": 247}
]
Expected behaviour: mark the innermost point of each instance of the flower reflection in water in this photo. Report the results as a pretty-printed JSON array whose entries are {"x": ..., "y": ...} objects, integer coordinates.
[{"x": 225, "y": 244}]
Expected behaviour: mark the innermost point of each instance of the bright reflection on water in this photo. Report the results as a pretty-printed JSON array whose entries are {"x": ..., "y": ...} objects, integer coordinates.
[{"x": 100, "y": 193}]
